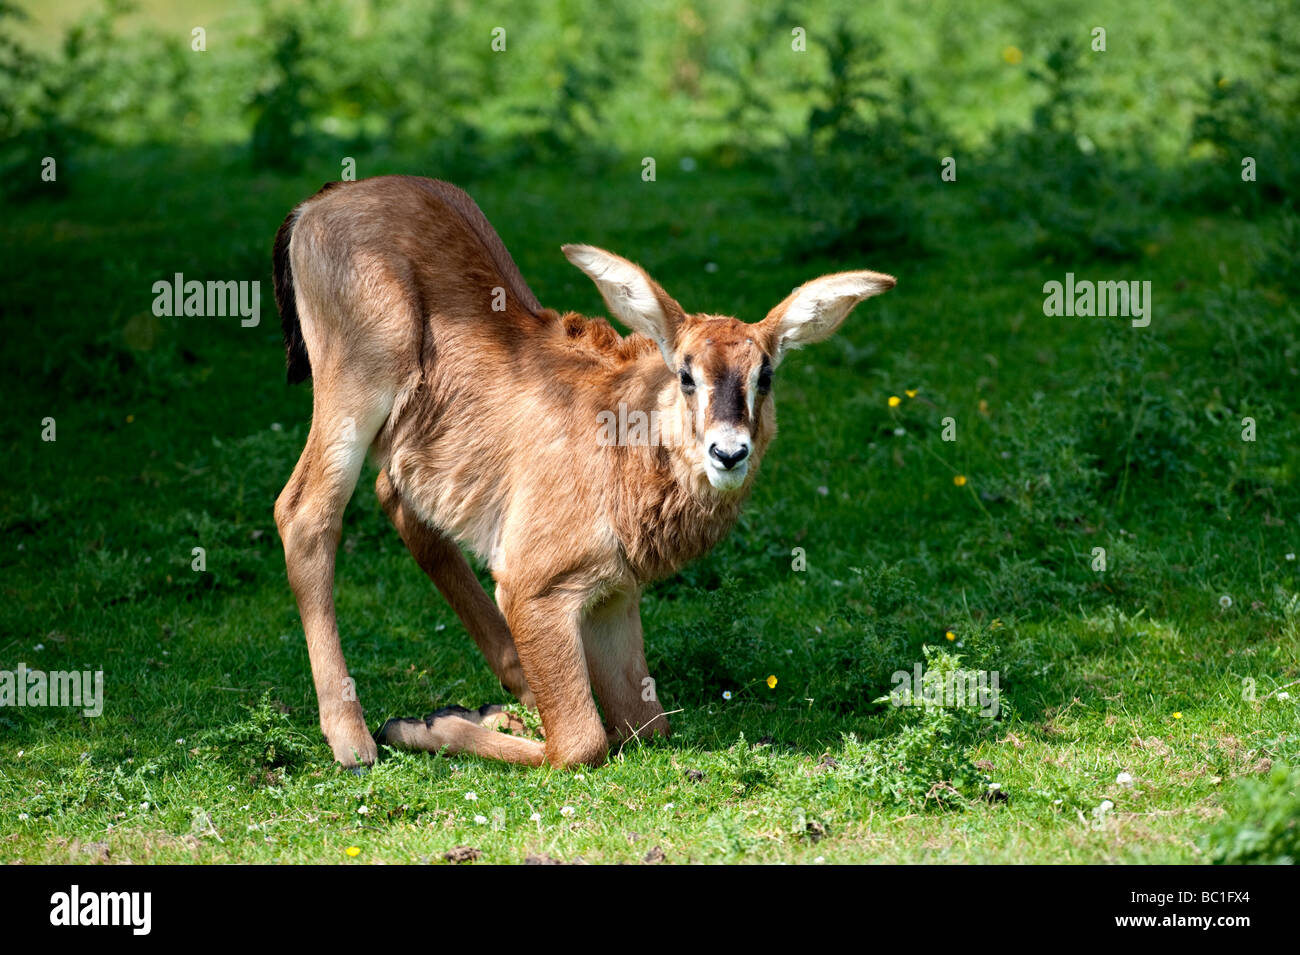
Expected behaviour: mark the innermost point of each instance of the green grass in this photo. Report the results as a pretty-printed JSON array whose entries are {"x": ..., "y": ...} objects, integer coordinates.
[
  {"x": 1071, "y": 434},
  {"x": 186, "y": 442}
]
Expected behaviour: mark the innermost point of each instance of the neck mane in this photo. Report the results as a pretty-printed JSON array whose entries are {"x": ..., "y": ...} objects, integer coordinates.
[
  {"x": 664, "y": 510},
  {"x": 667, "y": 513}
]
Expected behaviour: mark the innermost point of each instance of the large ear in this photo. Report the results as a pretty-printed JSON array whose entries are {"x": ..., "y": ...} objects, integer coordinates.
[
  {"x": 633, "y": 297},
  {"x": 816, "y": 309}
]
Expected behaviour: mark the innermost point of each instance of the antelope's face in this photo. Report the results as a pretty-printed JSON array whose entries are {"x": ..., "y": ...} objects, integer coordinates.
[
  {"x": 724, "y": 375},
  {"x": 724, "y": 366}
]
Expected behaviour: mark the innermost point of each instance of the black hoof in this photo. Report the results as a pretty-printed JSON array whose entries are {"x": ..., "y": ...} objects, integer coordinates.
[
  {"x": 474, "y": 716},
  {"x": 382, "y": 734},
  {"x": 471, "y": 715}
]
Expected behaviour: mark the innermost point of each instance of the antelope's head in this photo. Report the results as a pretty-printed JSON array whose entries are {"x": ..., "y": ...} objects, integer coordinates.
[{"x": 723, "y": 367}]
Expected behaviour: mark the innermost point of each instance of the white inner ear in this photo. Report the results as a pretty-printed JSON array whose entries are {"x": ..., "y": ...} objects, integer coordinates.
[
  {"x": 626, "y": 292},
  {"x": 820, "y": 306}
]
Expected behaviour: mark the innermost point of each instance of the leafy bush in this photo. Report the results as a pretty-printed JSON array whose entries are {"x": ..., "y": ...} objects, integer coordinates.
[
  {"x": 280, "y": 109},
  {"x": 48, "y": 105},
  {"x": 263, "y": 742},
  {"x": 750, "y": 766},
  {"x": 1279, "y": 265},
  {"x": 1257, "y": 118},
  {"x": 1263, "y": 822},
  {"x": 1135, "y": 423},
  {"x": 867, "y": 141},
  {"x": 926, "y": 763},
  {"x": 1073, "y": 201}
]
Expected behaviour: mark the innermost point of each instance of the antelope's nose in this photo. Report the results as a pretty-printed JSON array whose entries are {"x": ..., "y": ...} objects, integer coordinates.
[{"x": 729, "y": 459}]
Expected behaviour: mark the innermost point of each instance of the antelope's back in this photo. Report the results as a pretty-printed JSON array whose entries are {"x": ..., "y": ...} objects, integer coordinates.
[{"x": 424, "y": 234}]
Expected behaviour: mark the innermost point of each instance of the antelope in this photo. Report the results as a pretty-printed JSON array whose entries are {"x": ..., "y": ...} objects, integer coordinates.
[{"x": 482, "y": 410}]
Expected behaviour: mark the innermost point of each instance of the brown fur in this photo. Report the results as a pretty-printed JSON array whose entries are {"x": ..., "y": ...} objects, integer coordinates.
[{"x": 485, "y": 424}]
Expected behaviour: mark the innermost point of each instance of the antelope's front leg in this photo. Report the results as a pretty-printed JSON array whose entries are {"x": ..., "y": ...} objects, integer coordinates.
[
  {"x": 547, "y": 636},
  {"x": 615, "y": 651}
]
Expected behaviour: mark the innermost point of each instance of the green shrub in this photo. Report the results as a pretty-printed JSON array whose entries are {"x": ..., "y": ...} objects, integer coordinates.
[
  {"x": 1263, "y": 822},
  {"x": 263, "y": 742},
  {"x": 851, "y": 174},
  {"x": 926, "y": 763},
  {"x": 1072, "y": 200},
  {"x": 49, "y": 105},
  {"x": 1257, "y": 118},
  {"x": 281, "y": 109}
]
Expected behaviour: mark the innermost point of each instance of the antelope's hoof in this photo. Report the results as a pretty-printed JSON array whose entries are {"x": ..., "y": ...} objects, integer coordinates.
[{"x": 353, "y": 746}]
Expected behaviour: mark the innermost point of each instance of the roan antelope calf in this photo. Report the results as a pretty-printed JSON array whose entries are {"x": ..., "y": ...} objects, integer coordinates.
[{"x": 485, "y": 413}]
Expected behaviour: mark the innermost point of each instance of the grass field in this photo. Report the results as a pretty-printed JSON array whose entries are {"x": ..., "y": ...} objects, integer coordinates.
[{"x": 1145, "y": 711}]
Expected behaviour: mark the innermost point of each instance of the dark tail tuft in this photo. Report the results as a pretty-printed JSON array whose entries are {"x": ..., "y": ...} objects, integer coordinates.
[{"x": 295, "y": 349}]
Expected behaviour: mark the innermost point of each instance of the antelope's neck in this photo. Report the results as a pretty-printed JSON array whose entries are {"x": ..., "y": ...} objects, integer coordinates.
[{"x": 667, "y": 514}]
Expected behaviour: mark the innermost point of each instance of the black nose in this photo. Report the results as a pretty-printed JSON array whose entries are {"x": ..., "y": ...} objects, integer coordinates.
[{"x": 729, "y": 461}]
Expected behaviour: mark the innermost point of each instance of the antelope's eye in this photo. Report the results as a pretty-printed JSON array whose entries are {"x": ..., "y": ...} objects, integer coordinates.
[
  {"x": 765, "y": 381},
  {"x": 688, "y": 383}
]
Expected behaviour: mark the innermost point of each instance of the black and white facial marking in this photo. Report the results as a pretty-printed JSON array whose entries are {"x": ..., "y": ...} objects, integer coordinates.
[{"x": 727, "y": 374}]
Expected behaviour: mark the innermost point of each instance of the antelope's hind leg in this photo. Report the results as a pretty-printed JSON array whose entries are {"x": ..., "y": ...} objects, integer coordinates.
[
  {"x": 309, "y": 515},
  {"x": 459, "y": 730},
  {"x": 446, "y": 566},
  {"x": 456, "y": 729}
]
